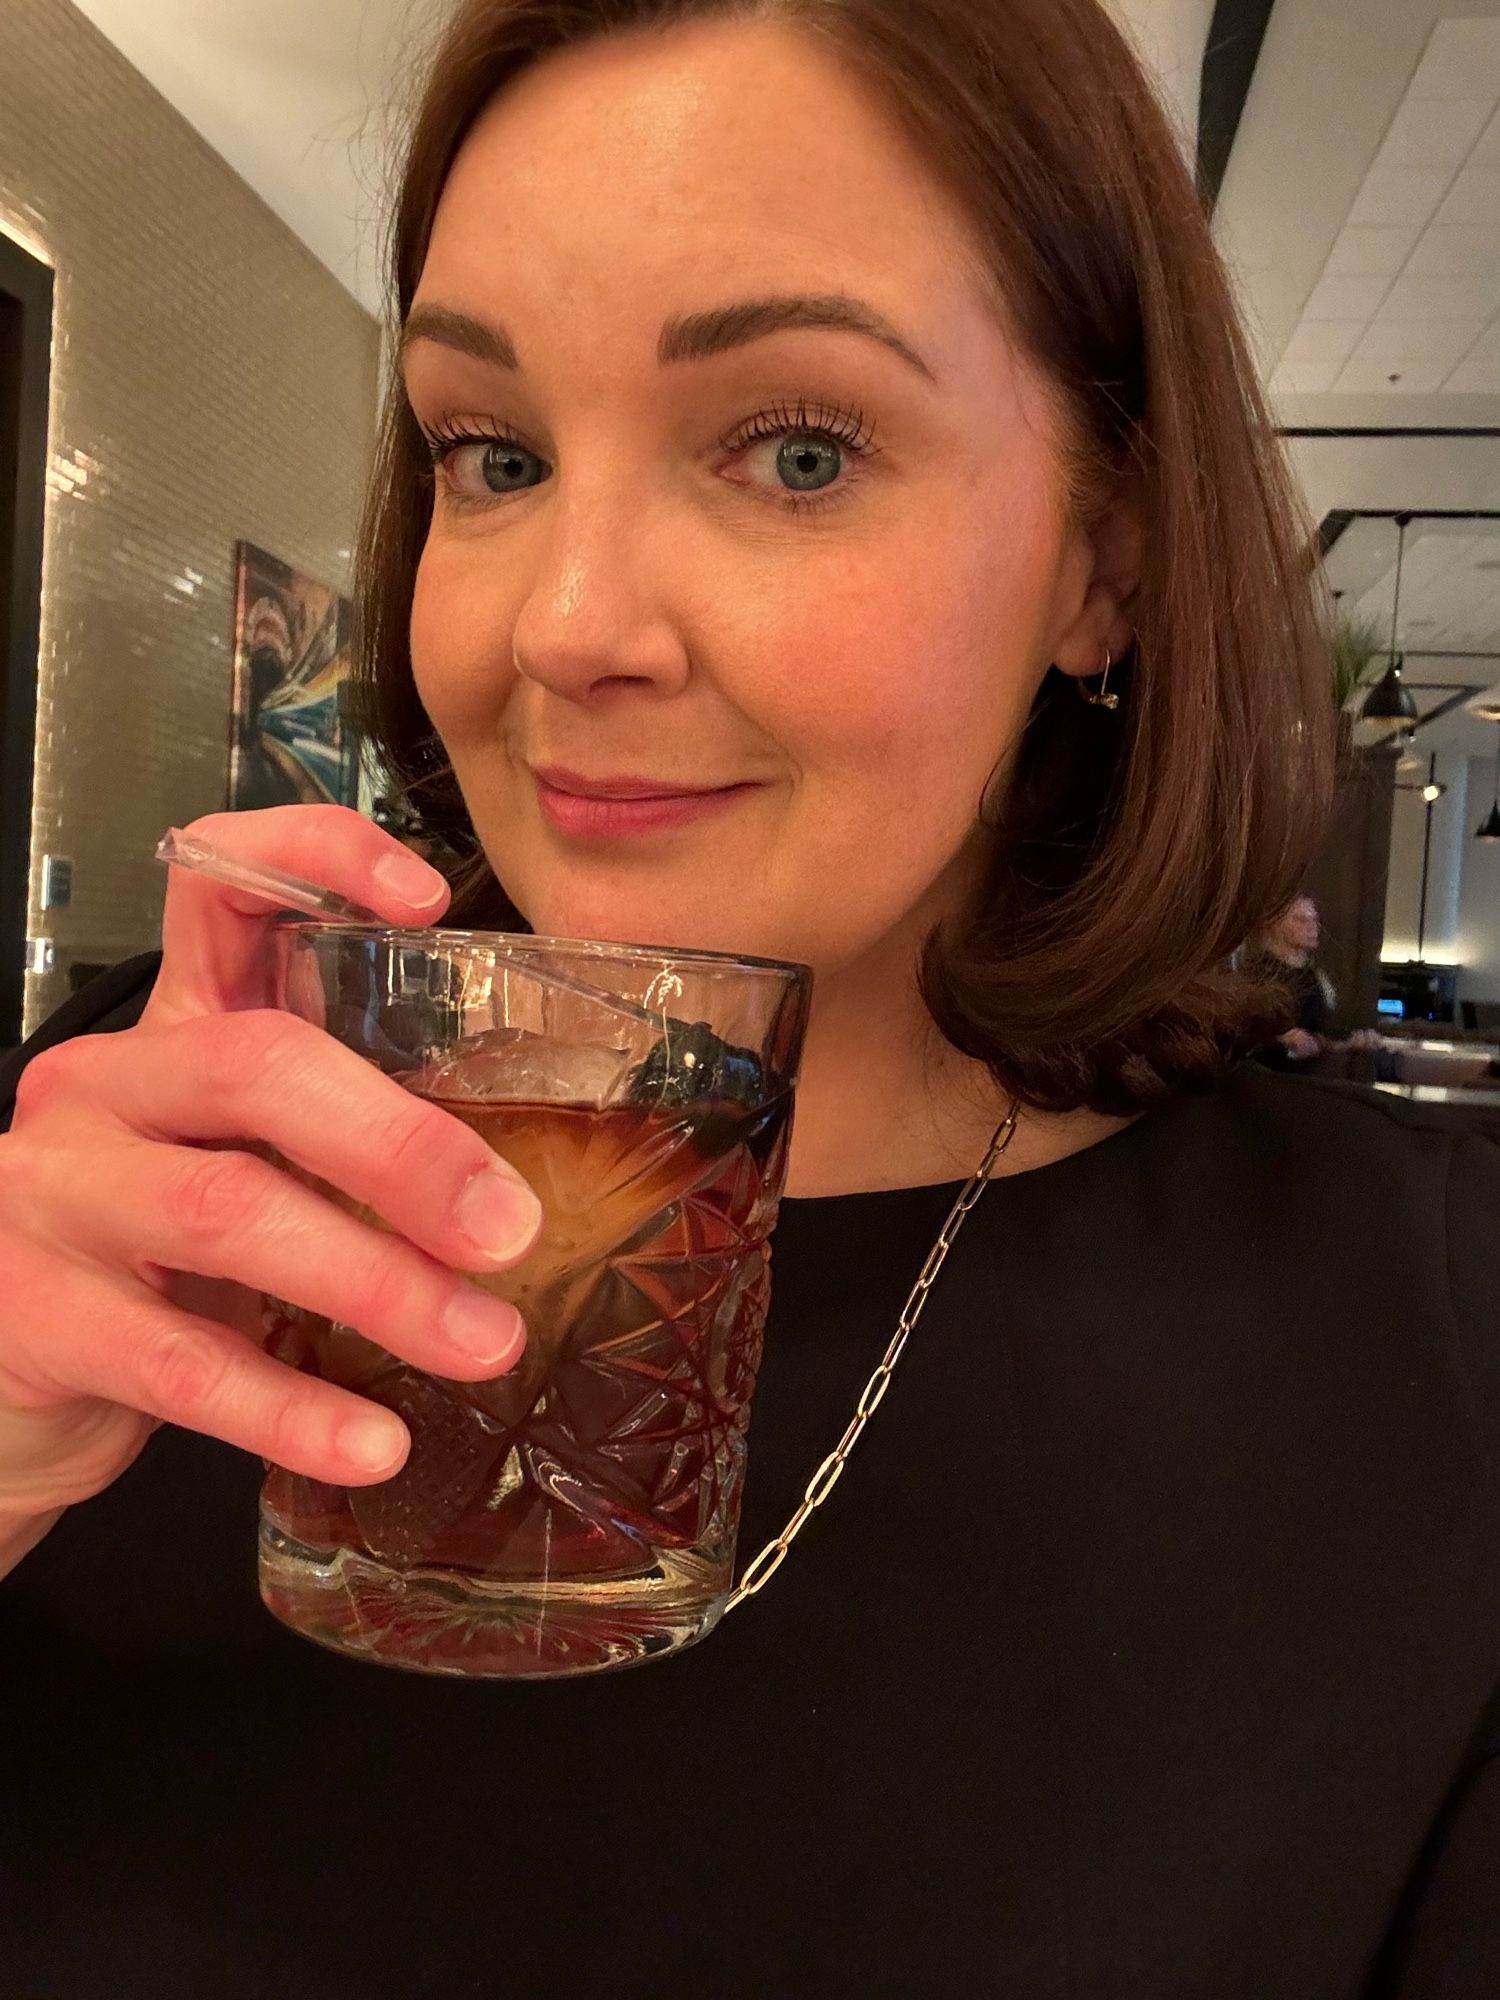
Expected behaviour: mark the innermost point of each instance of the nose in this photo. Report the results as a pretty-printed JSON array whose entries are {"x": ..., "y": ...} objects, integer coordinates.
[{"x": 592, "y": 623}]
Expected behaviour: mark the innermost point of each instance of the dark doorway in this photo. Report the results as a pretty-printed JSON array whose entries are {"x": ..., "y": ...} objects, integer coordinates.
[{"x": 25, "y": 367}]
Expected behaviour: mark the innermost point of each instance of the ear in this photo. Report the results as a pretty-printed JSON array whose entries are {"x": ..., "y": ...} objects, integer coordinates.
[{"x": 1102, "y": 575}]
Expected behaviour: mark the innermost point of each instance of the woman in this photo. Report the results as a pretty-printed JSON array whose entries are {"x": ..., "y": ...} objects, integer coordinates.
[
  {"x": 1149, "y": 1645},
  {"x": 1284, "y": 952}
]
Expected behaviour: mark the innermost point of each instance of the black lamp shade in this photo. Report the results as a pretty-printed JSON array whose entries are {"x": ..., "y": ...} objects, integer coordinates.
[
  {"x": 1489, "y": 829},
  {"x": 1389, "y": 703}
]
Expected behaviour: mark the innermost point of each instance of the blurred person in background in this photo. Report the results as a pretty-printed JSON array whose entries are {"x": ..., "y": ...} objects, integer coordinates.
[{"x": 1285, "y": 952}]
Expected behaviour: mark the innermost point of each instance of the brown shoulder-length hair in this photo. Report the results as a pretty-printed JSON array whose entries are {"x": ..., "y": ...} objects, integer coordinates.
[{"x": 1129, "y": 852}]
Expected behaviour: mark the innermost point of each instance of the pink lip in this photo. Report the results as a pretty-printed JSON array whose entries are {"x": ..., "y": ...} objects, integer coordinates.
[{"x": 608, "y": 807}]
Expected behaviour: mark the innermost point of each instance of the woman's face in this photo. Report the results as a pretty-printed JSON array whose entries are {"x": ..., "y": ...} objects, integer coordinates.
[
  {"x": 1300, "y": 927},
  {"x": 634, "y": 586}
]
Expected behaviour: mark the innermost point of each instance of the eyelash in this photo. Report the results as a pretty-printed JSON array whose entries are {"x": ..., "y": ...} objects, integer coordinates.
[{"x": 846, "y": 427}]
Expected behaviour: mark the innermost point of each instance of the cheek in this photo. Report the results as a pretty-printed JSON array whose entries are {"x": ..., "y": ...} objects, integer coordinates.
[
  {"x": 458, "y": 656},
  {"x": 890, "y": 694}
]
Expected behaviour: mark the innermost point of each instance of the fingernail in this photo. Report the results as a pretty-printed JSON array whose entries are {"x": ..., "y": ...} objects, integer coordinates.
[
  {"x": 406, "y": 876},
  {"x": 486, "y": 1328},
  {"x": 372, "y": 1440},
  {"x": 500, "y": 1214}
]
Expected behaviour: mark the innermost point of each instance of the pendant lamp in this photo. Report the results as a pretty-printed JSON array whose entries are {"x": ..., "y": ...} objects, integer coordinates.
[{"x": 1390, "y": 708}]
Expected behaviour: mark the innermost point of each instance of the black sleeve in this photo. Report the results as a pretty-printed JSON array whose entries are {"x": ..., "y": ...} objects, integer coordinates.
[
  {"x": 115, "y": 999},
  {"x": 1474, "y": 1274},
  {"x": 1313, "y": 1011},
  {"x": 1445, "y": 1943}
]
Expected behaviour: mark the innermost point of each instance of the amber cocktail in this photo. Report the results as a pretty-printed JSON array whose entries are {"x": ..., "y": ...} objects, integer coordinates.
[{"x": 581, "y": 1511}]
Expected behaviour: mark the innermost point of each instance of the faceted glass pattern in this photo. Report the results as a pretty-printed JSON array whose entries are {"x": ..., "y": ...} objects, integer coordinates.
[{"x": 579, "y": 1512}]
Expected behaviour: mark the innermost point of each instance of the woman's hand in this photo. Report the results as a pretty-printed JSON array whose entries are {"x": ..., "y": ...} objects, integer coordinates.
[
  {"x": 137, "y": 1230},
  {"x": 1301, "y": 1045},
  {"x": 1366, "y": 1038}
]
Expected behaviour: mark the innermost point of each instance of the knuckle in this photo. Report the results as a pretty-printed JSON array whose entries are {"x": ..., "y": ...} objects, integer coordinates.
[
  {"x": 393, "y": 1290},
  {"x": 239, "y": 1048},
  {"x": 182, "y": 1368},
  {"x": 417, "y": 1145},
  {"x": 51, "y": 1073},
  {"x": 212, "y": 1193},
  {"x": 285, "y": 1424}
]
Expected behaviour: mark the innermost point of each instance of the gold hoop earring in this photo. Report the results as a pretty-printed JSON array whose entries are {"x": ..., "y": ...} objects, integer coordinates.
[{"x": 1103, "y": 699}]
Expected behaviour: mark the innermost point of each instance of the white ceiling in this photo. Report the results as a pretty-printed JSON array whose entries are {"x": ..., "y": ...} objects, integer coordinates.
[
  {"x": 1360, "y": 214},
  {"x": 1171, "y": 35},
  {"x": 297, "y": 95},
  {"x": 1408, "y": 301}
]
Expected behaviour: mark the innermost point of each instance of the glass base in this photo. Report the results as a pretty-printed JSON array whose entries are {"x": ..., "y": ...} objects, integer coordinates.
[{"x": 433, "y": 1621}]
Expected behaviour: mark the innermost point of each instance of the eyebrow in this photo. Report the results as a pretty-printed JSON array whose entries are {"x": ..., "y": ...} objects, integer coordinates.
[{"x": 690, "y": 337}]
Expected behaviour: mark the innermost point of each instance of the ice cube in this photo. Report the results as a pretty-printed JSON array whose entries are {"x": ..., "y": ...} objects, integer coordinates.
[{"x": 514, "y": 1065}]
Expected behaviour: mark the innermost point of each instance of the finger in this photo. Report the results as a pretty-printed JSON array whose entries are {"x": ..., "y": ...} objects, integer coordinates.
[
  {"x": 266, "y": 1076},
  {"x": 213, "y": 938},
  {"x": 231, "y": 1215},
  {"x": 109, "y": 1335}
]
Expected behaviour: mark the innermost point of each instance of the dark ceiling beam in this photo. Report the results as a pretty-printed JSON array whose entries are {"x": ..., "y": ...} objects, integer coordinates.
[
  {"x": 1457, "y": 695},
  {"x": 1337, "y": 522},
  {"x": 1234, "y": 45}
]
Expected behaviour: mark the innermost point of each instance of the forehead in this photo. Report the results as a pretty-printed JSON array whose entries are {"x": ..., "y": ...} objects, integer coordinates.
[{"x": 710, "y": 161}]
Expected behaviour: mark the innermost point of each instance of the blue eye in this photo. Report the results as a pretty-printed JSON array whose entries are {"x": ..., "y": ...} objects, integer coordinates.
[
  {"x": 478, "y": 468},
  {"x": 465, "y": 457},
  {"x": 816, "y": 439}
]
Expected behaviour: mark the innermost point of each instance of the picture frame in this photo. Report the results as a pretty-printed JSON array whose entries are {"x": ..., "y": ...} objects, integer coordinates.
[{"x": 291, "y": 741}]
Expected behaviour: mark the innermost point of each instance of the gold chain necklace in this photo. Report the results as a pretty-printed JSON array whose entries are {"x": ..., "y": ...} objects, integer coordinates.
[{"x": 823, "y": 1481}]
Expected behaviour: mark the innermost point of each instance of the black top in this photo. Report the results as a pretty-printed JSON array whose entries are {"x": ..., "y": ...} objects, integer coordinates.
[
  {"x": 1305, "y": 990},
  {"x": 1148, "y": 1650},
  {"x": 1307, "y": 999}
]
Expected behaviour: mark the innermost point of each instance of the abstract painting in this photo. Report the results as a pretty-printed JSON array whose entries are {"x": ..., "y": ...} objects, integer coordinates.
[{"x": 290, "y": 741}]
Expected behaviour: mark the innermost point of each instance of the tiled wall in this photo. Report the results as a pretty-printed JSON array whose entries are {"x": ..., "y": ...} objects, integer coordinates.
[{"x": 211, "y": 381}]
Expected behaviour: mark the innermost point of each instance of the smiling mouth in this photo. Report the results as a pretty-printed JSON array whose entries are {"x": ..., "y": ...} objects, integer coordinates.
[
  {"x": 556, "y": 779},
  {"x": 606, "y": 808}
]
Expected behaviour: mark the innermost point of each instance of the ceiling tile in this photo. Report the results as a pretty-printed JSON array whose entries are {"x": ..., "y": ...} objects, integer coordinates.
[
  {"x": 1489, "y": 344},
  {"x": 1473, "y": 199},
  {"x": 1457, "y": 55},
  {"x": 1439, "y": 342},
  {"x": 1392, "y": 195},
  {"x": 1305, "y": 378},
  {"x": 1431, "y": 553},
  {"x": 1450, "y": 250},
  {"x": 1345, "y": 297},
  {"x": 1417, "y": 296},
  {"x": 1316, "y": 341},
  {"x": 1371, "y": 252},
  {"x": 1434, "y": 132},
  {"x": 1477, "y": 375},
  {"x": 1363, "y": 376},
  {"x": 1487, "y": 152},
  {"x": 1478, "y": 365}
]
